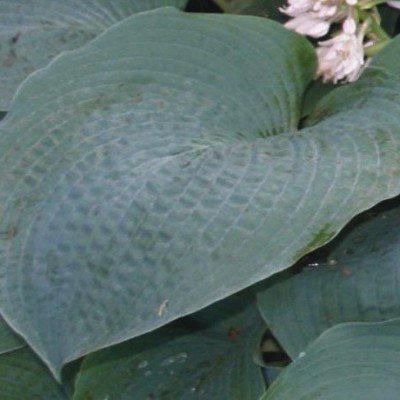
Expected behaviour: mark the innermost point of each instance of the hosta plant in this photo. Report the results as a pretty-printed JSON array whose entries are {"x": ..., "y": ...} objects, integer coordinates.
[{"x": 165, "y": 178}]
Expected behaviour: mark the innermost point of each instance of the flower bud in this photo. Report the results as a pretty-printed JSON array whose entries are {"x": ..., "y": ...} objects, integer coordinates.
[
  {"x": 307, "y": 24},
  {"x": 349, "y": 26}
]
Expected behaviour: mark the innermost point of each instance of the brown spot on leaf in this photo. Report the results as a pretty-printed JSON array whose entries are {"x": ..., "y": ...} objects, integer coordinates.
[
  {"x": 10, "y": 59},
  {"x": 15, "y": 38},
  {"x": 233, "y": 334},
  {"x": 346, "y": 271},
  {"x": 137, "y": 98}
]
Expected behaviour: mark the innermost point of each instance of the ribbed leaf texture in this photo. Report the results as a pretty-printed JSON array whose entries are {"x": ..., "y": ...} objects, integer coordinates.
[{"x": 159, "y": 169}]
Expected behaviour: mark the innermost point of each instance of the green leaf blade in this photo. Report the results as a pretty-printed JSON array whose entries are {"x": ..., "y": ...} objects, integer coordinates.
[
  {"x": 23, "y": 376},
  {"x": 354, "y": 361},
  {"x": 212, "y": 361},
  {"x": 359, "y": 282}
]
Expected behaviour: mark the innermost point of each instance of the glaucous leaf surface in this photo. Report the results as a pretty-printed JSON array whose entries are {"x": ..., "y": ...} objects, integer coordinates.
[
  {"x": 158, "y": 169},
  {"x": 135, "y": 172},
  {"x": 32, "y": 32},
  {"x": 24, "y": 377},
  {"x": 357, "y": 361},
  {"x": 213, "y": 361},
  {"x": 360, "y": 281}
]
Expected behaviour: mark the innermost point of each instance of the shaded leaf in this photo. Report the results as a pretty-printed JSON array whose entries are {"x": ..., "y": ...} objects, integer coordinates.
[
  {"x": 8, "y": 339},
  {"x": 314, "y": 93},
  {"x": 387, "y": 57},
  {"x": 262, "y": 8},
  {"x": 69, "y": 376},
  {"x": 349, "y": 361},
  {"x": 360, "y": 281},
  {"x": 212, "y": 362},
  {"x": 24, "y": 377},
  {"x": 390, "y": 19},
  {"x": 271, "y": 374},
  {"x": 34, "y": 32}
]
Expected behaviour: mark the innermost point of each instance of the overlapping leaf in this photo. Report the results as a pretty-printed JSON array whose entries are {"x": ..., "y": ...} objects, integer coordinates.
[
  {"x": 33, "y": 32},
  {"x": 349, "y": 361},
  {"x": 8, "y": 339},
  {"x": 360, "y": 282},
  {"x": 22, "y": 374},
  {"x": 24, "y": 377},
  {"x": 213, "y": 361},
  {"x": 158, "y": 169}
]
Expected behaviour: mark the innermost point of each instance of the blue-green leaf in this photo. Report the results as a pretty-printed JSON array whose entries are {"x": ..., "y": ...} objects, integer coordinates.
[
  {"x": 360, "y": 281},
  {"x": 357, "y": 361},
  {"x": 213, "y": 361},
  {"x": 132, "y": 168}
]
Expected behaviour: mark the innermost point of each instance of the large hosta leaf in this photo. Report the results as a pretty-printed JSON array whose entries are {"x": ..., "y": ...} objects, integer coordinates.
[
  {"x": 360, "y": 281},
  {"x": 358, "y": 361},
  {"x": 33, "y": 32},
  {"x": 148, "y": 175},
  {"x": 24, "y": 377},
  {"x": 127, "y": 172},
  {"x": 213, "y": 361}
]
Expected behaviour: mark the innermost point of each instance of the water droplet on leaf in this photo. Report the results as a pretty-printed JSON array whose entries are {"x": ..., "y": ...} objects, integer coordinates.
[
  {"x": 143, "y": 364},
  {"x": 181, "y": 357}
]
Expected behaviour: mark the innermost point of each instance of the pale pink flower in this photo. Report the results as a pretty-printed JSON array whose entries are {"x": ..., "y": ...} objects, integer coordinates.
[
  {"x": 297, "y": 7},
  {"x": 312, "y": 17},
  {"x": 349, "y": 26},
  {"x": 341, "y": 58},
  {"x": 307, "y": 24},
  {"x": 318, "y": 8},
  {"x": 395, "y": 4},
  {"x": 325, "y": 8}
]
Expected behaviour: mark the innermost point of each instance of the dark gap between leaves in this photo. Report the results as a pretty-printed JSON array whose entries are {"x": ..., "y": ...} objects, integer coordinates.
[
  {"x": 272, "y": 352},
  {"x": 202, "y": 6},
  {"x": 397, "y": 26}
]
